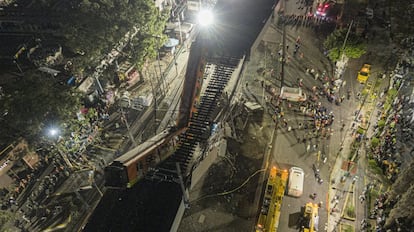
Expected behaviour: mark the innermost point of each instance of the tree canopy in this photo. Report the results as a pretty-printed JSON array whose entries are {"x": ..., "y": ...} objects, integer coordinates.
[
  {"x": 401, "y": 15},
  {"x": 93, "y": 27},
  {"x": 90, "y": 29},
  {"x": 355, "y": 47},
  {"x": 33, "y": 101}
]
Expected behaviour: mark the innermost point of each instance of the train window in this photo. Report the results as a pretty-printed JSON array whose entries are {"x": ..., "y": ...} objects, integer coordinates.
[{"x": 140, "y": 169}]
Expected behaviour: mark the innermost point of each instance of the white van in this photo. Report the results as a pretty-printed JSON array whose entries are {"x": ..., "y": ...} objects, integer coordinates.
[{"x": 295, "y": 184}]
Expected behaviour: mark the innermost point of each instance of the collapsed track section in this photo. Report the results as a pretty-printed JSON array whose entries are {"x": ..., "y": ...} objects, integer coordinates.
[{"x": 218, "y": 73}]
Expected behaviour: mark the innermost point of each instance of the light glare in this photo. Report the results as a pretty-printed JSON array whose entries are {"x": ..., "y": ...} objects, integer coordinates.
[
  {"x": 205, "y": 17},
  {"x": 53, "y": 132}
]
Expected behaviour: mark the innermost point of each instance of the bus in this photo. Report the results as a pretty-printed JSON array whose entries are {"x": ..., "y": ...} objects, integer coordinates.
[{"x": 295, "y": 184}]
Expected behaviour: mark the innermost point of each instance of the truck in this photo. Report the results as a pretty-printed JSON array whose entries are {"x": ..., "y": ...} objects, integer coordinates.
[
  {"x": 268, "y": 219},
  {"x": 310, "y": 220}
]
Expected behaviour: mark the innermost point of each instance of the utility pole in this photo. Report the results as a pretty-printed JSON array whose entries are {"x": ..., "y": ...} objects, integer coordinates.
[
  {"x": 159, "y": 68},
  {"x": 341, "y": 64},
  {"x": 282, "y": 68},
  {"x": 161, "y": 81},
  {"x": 265, "y": 70},
  {"x": 154, "y": 95},
  {"x": 179, "y": 28},
  {"x": 282, "y": 60},
  {"x": 346, "y": 37},
  {"x": 124, "y": 119}
]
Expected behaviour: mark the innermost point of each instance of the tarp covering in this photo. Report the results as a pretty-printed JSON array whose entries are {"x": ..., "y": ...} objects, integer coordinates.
[{"x": 171, "y": 42}]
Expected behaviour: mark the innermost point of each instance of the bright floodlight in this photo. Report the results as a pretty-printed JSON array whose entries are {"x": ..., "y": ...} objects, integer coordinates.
[
  {"x": 53, "y": 132},
  {"x": 205, "y": 17}
]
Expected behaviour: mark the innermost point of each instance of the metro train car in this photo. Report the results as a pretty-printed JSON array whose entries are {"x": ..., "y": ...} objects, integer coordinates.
[{"x": 132, "y": 166}]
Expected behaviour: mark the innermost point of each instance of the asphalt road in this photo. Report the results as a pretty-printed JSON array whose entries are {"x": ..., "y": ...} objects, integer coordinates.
[
  {"x": 287, "y": 149},
  {"x": 237, "y": 24}
]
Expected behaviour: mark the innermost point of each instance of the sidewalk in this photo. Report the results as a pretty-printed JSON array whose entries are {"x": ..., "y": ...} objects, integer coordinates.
[{"x": 348, "y": 175}]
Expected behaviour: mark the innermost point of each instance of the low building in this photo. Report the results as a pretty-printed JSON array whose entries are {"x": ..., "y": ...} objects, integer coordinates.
[
  {"x": 128, "y": 73},
  {"x": 14, "y": 154}
]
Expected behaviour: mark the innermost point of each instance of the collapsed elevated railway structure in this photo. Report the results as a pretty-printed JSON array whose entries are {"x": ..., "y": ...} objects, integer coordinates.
[
  {"x": 148, "y": 175},
  {"x": 201, "y": 123},
  {"x": 153, "y": 204},
  {"x": 161, "y": 156}
]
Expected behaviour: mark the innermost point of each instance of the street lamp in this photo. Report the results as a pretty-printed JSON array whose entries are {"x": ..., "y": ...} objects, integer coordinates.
[
  {"x": 53, "y": 132},
  {"x": 205, "y": 17}
]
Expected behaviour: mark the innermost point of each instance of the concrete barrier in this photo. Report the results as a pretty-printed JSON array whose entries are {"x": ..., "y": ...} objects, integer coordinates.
[{"x": 178, "y": 217}]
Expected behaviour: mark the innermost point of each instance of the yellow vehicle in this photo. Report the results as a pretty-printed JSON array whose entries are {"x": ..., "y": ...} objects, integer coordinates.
[
  {"x": 364, "y": 73},
  {"x": 310, "y": 221},
  {"x": 270, "y": 210}
]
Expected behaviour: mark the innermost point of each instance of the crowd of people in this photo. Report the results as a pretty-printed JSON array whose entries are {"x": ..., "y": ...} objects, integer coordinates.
[
  {"x": 395, "y": 131},
  {"x": 377, "y": 213},
  {"x": 329, "y": 89},
  {"x": 321, "y": 117},
  {"x": 395, "y": 127}
]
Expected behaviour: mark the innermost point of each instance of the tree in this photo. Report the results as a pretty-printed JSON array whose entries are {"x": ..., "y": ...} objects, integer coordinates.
[
  {"x": 147, "y": 43},
  {"x": 93, "y": 27},
  {"x": 375, "y": 141},
  {"x": 32, "y": 102},
  {"x": 401, "y": 15},
  {"x": 355, "y": 47},
  {"x": 5, "y": 216},
  {"x": 89, "y": 29}
]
